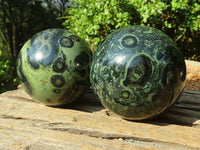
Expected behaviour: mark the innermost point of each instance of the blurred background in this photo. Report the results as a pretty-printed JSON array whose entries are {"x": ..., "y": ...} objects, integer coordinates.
[{"x": 93, "y": 20}]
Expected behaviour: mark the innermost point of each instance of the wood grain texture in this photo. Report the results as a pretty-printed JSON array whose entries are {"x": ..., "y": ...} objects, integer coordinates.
[{"x": 85, "y": 124}]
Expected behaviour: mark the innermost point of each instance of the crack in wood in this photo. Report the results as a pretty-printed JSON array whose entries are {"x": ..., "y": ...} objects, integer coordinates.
[
  {"x": 10, "y": 117},
  {"x": 188, "y": 106},
  {"x": 182, "y": 112},
  {"x": 196, "y": 92},
  {"x": 96, "y": 134}
]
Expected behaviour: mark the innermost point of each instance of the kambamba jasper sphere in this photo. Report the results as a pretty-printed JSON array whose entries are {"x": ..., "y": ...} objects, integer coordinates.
[
  {"x": 54, "y": 66},
  {"x": 137, "y": 72}
]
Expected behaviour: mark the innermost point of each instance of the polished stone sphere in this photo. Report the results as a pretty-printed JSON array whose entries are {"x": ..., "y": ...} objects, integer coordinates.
[
  {"x": 137, "y": 72},
  {"x": 53, "y": 66}
]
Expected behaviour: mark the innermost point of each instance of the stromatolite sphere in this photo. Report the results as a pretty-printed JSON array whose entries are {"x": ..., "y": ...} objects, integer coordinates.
[
  {"x": 137, "y": 72},
  {"x": 54, "y": 66}
]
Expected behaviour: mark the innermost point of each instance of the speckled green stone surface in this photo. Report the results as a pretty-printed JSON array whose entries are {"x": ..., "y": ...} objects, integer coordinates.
[
  {"x": 137, "y": 72},
  {"x": 54, "y": 66}
]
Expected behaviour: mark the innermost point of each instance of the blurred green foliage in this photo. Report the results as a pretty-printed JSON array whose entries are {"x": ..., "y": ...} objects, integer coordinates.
[
  {"x": 93, "y": 20},
  {"x": 7, "y": 82}
]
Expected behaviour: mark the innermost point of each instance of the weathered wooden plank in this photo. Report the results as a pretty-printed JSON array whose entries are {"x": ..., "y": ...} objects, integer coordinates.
[
  {"x": 26, "y": 124},
  {"x": 190, "y": 97},
  {"x": 186, "y": 111},
  {"x": 23, "y": 134},
  {"x": 182, "y": 117}
]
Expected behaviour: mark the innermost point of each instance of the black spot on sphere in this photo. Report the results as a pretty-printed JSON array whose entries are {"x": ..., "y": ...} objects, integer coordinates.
[
  {"x": 81, "y": 60},
  {"x": 139, "y": 71},
  {"x": 66, "y": 42},
  {"x": 59, "y": 64},
  {"x": 129, "y": 41},
  {"x": 57, "y": 81}
]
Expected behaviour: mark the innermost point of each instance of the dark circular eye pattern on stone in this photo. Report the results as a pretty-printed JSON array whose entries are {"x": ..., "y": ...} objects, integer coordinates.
[
  {"x": 129, "y": 41},
  {"x": 57, "y": 81},
  {"x": 66, "y": 42},
  {"x": 141, "y": 65},
  {"x": 59, "y": 65},
  {"x": 125, "y": 94},
  {"x": 81, "y": 60}
]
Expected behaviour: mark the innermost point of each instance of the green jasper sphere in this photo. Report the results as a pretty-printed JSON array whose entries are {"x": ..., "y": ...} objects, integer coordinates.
[
  {"x": 53, "y": 66},
  {"x": 137, "y": 72}
]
